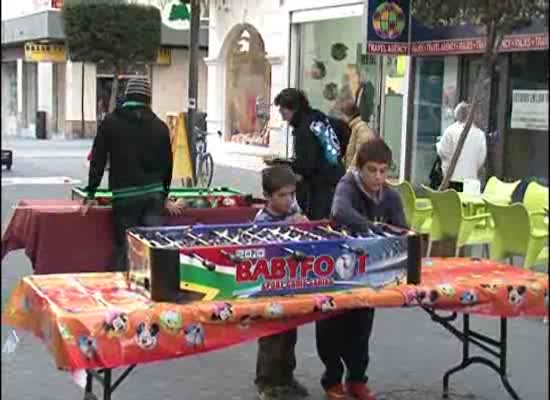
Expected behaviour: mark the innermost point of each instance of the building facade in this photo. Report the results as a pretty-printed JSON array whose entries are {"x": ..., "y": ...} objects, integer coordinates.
[
  {"x": 256, "y": 49},
  {"x": 38, "y": 75},
  {"x": 407, "y": 79}
]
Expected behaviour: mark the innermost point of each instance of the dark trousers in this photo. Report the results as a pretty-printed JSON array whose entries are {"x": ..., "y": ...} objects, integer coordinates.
[
  {"x": 344, "y": 341},
  {"x": 276, "y": 359},
  {"x": 130, "y": 212},
  {"x": 315, "y": 199}
]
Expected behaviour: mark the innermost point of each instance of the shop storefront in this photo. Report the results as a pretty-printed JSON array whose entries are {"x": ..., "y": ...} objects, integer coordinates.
[
  {"x": 514, "y": 107},
  {"x": 259, "y": 48},
  {"x": 332, "y": 68},
  {"x": 38, "y": 75}
]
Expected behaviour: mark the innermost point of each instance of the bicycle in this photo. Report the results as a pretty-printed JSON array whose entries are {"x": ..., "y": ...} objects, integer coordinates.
[{"x": 204, "y": 162}]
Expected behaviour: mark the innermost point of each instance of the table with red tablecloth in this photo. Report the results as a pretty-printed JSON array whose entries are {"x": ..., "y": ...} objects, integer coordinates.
[
  {"x": 95, "y": 322},
  {"x": 57, "y": 238}
]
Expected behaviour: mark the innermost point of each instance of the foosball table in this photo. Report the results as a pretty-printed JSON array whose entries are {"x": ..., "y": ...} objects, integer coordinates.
[
  {"x": 192, "y": 197},
  {"x": 214, "y": 262}
]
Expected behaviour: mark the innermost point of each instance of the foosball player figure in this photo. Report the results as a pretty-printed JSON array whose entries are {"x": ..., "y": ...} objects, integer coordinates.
[
  {"x": 276, "y": 354},
  {"x": 362, "y": 198}
]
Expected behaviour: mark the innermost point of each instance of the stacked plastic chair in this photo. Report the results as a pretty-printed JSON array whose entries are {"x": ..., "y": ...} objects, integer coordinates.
[{"x": 449, "y": 222}]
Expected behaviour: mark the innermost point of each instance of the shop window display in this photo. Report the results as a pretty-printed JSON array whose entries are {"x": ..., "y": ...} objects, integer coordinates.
[
  {"x": 332, "y": 69},
  {"x": 248, "y": 90}
]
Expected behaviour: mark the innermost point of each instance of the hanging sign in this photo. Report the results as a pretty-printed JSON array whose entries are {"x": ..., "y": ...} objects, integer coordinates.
[{"x": 388, "y": 27}]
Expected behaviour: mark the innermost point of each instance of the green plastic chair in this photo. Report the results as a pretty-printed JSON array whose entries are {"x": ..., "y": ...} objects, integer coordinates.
[
  {"x": 449, "y": 222},
  {"x": 418, "y": 212},
  {"x": 516, "y": 235},
  {"x": 536, "y": 202},
  {"x": 496, "y": 187}
]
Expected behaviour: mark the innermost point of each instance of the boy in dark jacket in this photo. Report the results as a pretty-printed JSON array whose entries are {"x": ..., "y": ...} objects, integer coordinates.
[
  {"x": 314, "y": 140},
  {"x": 362, "y": 197},
  {"x": 276, "y": 356},
  {"x": 137, "y": 144}
]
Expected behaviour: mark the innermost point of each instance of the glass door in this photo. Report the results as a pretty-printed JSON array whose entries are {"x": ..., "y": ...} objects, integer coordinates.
[{"x": 393, "y": 89}]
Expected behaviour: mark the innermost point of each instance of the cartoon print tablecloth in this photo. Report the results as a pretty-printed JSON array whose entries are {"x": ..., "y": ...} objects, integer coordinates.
[{"x": 94, "y": 321}]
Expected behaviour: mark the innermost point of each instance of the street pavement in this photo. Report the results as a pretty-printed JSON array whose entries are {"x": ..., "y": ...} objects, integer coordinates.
[{"x": 409, "y": 353}]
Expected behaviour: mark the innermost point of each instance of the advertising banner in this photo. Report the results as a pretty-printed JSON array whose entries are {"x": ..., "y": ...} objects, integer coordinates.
[
  {"x": 391, "y": 29},
  {"x": 530, "y": 110}
]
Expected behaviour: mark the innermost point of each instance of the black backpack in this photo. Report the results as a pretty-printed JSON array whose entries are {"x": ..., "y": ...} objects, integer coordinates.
[
  {"x": 436, "y": 174},
  {"x": 519, "y": 192},
  {"x": 343, "y": 131}
]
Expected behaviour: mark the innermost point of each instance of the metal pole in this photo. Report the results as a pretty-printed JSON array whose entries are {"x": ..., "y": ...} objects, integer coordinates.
[{"x": 193, "y": 79}]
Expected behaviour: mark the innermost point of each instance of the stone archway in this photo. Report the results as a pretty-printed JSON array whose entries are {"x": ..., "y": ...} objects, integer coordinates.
[{"x": 247, "y": 86}]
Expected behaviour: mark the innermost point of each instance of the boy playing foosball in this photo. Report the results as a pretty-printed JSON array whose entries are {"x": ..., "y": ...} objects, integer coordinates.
[
  {"x": 361, "y": 199},
  {"x": 276, "y": 356}
]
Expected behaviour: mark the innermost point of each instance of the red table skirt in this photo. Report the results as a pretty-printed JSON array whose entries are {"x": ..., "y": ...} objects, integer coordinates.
[{"x": 58, "y": 239}]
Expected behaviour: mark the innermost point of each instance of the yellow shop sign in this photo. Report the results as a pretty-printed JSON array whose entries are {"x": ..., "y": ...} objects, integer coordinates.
[
  {"x": 164, "y": 57},
  {"x": 35, "y": 52}
]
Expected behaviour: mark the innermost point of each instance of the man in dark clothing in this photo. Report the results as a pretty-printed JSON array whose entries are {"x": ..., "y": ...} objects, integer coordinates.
[
  {"x": 362, "y": 198},
  {"x": 317, "y": 153},
  {"x": 137, "y": 144}
]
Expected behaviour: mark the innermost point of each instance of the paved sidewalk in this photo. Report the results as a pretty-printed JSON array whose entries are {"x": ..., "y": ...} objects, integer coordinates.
[{"x": 224, "y": 154}]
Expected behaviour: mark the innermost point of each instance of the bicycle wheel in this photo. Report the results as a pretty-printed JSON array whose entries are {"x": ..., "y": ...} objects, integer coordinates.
[
  {"x": 205, "y": 170},
  {"x": 200, "y": 146}
]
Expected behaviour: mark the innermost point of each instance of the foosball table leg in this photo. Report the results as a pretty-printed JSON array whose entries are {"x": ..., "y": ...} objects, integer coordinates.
[
  {"x": 104, "y": 377},
  {"x": 89, "y": 390}
]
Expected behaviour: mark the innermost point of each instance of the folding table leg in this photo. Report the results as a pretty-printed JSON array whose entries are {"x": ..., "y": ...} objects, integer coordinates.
[
  {"x": 105, "y": 378},
  {"x": 496, "y": 348}
]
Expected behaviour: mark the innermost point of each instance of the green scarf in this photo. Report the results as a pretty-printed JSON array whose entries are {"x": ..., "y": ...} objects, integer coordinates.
[{"x": 134, "y": 104}]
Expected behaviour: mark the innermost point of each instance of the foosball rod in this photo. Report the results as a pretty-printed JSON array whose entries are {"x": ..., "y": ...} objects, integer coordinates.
[
  {"x": 332, "y": 231},
  {"x": 253, "y": 236},
  {"x": 277, "y": 233},
  {"x": 198, "y": 239},
  {"x": 306, "y": 233},
  {"x": 167, "y": 239},
  {"x": 225, "y": 235}
]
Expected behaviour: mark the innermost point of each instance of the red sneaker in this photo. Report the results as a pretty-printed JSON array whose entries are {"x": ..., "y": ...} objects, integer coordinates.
[
  {"x": 336, "y": 392},
  {"x": 360, "y": 391}
]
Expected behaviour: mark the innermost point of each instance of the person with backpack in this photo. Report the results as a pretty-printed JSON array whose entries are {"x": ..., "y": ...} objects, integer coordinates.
[
  {"x": 318, "y": 154},
  {"x": 360, "y": 132}
]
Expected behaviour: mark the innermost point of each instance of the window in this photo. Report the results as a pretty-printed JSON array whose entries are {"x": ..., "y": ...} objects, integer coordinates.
[{"x": 526, "y": 141}]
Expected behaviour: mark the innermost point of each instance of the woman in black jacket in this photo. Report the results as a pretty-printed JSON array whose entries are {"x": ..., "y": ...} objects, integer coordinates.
[{"x": 317, "y": 153}]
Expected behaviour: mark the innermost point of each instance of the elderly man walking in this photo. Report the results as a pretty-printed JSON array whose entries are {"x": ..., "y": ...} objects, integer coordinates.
[{"x": 474, "y": 152}]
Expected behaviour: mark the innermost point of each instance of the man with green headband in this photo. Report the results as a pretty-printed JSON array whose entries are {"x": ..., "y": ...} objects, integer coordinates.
[{"x": 137, "y": 144}]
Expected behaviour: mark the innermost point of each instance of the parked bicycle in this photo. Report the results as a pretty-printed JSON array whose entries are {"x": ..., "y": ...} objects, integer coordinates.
[{"x": 204, "y": 162}]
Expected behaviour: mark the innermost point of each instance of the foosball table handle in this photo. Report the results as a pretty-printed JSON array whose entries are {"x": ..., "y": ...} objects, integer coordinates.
[
  {"x": 357, "y": 251},
  {"x": 232, "y": 257},
  {"x": 297, "y": 255}
]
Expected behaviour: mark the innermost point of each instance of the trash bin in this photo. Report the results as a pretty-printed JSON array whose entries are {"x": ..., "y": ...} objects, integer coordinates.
[{"x": 41, "y": 129}]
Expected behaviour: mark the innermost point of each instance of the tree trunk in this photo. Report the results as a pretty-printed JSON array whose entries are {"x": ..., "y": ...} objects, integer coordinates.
[
  {"x": 82, "y": 122},
  {"x": 464, "y": 135},
  {"x": 490, "y": 58},
  {"x": 114, "y": 92}
]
